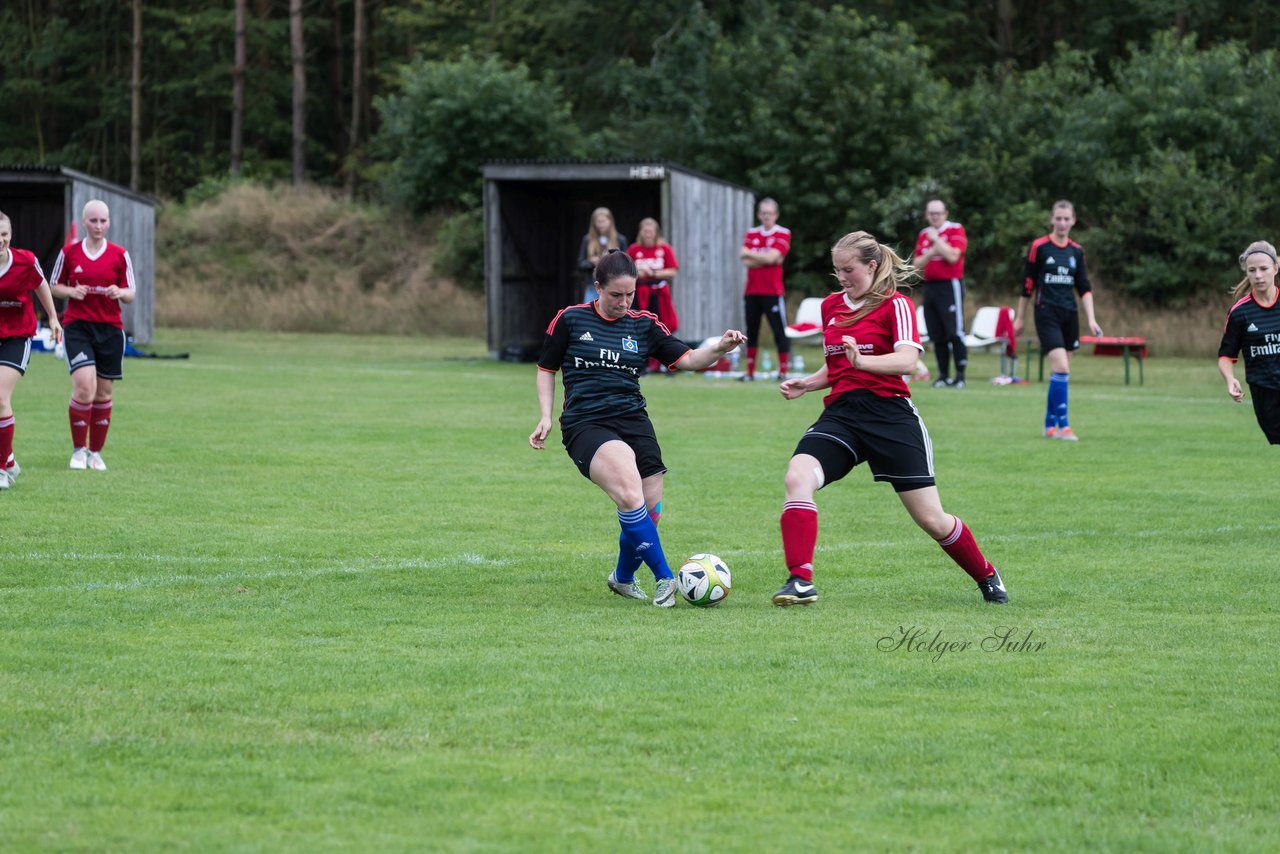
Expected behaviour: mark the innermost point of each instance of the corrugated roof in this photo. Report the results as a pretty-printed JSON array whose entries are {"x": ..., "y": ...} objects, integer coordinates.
[
  {"x": 619, "y": 161},
  {"x": 69, "y": 174}
]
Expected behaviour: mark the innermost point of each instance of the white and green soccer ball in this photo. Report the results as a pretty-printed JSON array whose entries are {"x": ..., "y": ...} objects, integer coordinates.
[{"x": 704, "y": 580}]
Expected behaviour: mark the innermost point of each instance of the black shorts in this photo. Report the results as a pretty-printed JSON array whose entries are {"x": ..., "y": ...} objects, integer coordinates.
[
  {"x": 97, "y": 344},
  {"x": 15, "y": 353},
  {"x": 1057, "y": 327},
  {"x": 1266, "y": 406},
  {"x": 886, "y": 432},
  {"x": 583, "y": 440}
]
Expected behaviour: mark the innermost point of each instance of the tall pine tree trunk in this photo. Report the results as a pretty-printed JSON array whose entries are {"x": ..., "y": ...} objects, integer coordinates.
[
  {"x": 1005, "y": 13},
  {"x": 237, "y": 92},
  {"x": 357, "y": 97},
  {"x": 135, "y": 107},
  {"x": 299, "y": 92}
]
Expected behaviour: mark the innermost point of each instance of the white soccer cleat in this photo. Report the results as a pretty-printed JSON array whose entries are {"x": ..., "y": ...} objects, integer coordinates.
[
  {"x": 79, "y": 459},
  {"x": 12, "y": 468},
  {"x": 95, "y": 461},
  {"x": 665, "y": 594},
  {"x": 630, "y": 590}
]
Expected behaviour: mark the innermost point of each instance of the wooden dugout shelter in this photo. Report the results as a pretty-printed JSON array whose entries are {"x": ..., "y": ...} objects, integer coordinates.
[
  {"x": 536, "y": 213},
  {"x": 44, "y": 201}
]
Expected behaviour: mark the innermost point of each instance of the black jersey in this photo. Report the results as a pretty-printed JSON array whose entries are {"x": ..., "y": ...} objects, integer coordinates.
[
  {"x": 1255, "y": 330},
  {"x": 1053, "y": 272},
  {"x": 602, "y": 359}
]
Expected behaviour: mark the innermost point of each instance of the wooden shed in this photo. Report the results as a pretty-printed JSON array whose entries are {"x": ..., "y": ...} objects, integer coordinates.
[
  {"x": 43, "y": 203},
  {"x": 535, "y": 216}
]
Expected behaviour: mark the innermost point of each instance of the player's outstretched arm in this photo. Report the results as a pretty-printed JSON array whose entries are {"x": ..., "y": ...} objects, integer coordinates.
[{"x": 704, "y": 357}]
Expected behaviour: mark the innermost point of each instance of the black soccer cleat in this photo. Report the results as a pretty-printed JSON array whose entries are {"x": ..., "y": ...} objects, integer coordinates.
[
  {"x": 992, "y": 588},
  {"x": 796, "y": 591}
]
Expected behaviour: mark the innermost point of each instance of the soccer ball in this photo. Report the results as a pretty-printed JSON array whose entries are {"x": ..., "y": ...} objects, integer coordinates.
[{"x": 704, "y": 580}]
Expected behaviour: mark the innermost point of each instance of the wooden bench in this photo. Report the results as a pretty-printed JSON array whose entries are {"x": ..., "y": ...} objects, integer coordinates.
[{"x": 1107, "y": 346}]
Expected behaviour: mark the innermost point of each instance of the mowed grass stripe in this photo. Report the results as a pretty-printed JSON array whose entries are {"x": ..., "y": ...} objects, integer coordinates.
[{"x": 327, "y": 597}]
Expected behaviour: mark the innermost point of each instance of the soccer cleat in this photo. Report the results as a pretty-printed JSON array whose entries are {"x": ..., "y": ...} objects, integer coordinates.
[
  {"x": 95, "y": 461},
  {"x": 796, "y": 591},
  {"x": 992, "y": 588},
  {"x": 80, "y": 459},
  {"x": 958, "y": 384},
  {"x": 1066, "y": 435},
  {"x": 12, "y": 468},
  {"x": 664, "y": 595},
  {"x": 1051, "y": 432},
  {"x": 747, "y": 378},
  {"x": 942, "y": 382},
  {"x": 5, "y": 480},
  {"x": 629, "y": 590}
]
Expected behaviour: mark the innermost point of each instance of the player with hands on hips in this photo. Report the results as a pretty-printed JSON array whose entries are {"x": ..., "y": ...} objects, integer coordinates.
[
  {"x": 870, "y": 340},
  {"x": 20, "y": 276},
  {"x": 601, "y": 349}
]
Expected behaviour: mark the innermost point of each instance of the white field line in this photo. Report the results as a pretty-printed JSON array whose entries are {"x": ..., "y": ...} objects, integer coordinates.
[
  {"x": 247, "y": 575},
  {"x": 476, "y": 560}
]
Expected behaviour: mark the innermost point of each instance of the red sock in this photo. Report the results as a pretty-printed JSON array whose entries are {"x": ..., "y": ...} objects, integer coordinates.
[
  {"x": 963, "y": 549},
  {"x": 79, "y": 414},
  {"x": 751, "y": 360},
  {"x": 99, "y": 424},
  {"x": 6, "y": 440},
  {"x": 799, "y": 537},
  {"x": 784, "y": 359}
]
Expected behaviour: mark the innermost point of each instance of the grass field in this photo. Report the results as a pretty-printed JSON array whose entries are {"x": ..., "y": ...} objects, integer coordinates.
[{"x": 328, "y": 598}]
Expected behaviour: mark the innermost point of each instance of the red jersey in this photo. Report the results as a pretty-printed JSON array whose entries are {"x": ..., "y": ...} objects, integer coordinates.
[
  {"x": 649, "y": 258},
  {"x": 937, "y": 269},
  {"x": 18, "y": 278},
  {"x": 767, "y": 281},
  {"x": 879, "y": 333},
  {"x": 111, "y": 266}
]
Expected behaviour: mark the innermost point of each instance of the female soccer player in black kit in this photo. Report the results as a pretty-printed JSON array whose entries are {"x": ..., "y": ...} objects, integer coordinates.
[
  {"x": 870, "y": 340},
  {"x": 1253, "y": 325},
  {"x": 602, "y": 347},
  {"x": 1055, "y": 273}
]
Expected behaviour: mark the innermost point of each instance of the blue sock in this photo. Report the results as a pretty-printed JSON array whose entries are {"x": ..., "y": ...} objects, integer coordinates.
[
  {"x": 628, "y": 559},
  {"x": 641, "y": 534},
  {"x": 1057, "y": 414}
]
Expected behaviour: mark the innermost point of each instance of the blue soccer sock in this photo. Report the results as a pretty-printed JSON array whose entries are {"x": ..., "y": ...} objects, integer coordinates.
[
  {"x": 1056, "y": 416},
  {"x": 629, "y": 559},
  {"x": 641, "y": 535}
]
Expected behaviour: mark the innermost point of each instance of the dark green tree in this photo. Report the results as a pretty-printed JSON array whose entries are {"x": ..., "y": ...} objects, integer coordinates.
[{"x": 448, "y": 118}]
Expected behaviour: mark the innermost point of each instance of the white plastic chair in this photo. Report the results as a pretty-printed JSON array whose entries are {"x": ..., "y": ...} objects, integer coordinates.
[
  {"x": 921, "y": 326},
  {"x": 808, "y": 319},
  {"x": 982, "y": 334}
]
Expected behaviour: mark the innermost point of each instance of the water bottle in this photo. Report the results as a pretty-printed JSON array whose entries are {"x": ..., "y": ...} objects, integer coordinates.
[
  {"x": 797, "y": 364},
  {"x": 766, "y": 363},
  {"x": 733, "y": 360}
]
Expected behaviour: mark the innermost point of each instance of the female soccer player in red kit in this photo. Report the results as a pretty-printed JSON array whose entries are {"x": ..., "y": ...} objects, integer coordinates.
[
  {"x": 870, "y": 341},
  {"x": 20, "y": 274},
  {"x": 94, "y": 276}
]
